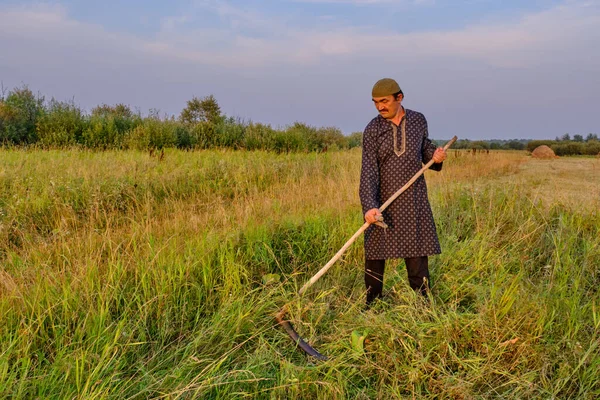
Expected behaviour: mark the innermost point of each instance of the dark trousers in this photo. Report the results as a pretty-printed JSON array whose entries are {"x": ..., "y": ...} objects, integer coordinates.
[{"x": 416, "y": 267}]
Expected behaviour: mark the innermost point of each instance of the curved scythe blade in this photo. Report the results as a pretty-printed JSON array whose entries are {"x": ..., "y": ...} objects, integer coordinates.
[
  {"x": 286, "y": 324},
  {"x": 308, "y": 349}
]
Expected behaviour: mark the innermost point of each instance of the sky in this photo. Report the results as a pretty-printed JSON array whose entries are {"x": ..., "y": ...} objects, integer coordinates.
[{"x": 478, "y": 69}]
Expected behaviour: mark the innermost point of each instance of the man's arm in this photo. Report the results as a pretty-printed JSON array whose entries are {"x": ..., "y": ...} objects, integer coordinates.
[
  {"x": 429, "y": 149},
  {"x": 369, "y": 172}
]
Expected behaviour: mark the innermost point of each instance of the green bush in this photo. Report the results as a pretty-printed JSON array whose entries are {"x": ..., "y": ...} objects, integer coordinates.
[
  {"x": 184, "y": 139},
  {"x": 568, "y": 148},
  {"x": 62, "y": 125},
  {"x": 462, "y": 144},
  {"x": 295, "y": 138},
  {"x": 202, "y": 135},
  {"x": 480, "y": 145},
  {"x": 515, "y": 145},
  {"x": 259, "y": 137},
  {"x": 229, "y": 132},
  {"x": 355, "y": 140},
  {"x": 204, "y": 109},
  {"x": 103, "y": 133},
  {"x": 592, "y": 148},
  {"x": 331, "y": 138},
  {"x": 19, "y": 113},
  {"x": 109, "y": 126},
  {"x": 153, "y": 133}
]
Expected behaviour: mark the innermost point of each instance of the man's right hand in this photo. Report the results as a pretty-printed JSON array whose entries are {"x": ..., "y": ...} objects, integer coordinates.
[{"x": 371, "y": 215}]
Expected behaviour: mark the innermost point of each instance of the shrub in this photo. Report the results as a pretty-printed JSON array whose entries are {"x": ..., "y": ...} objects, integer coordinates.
[
  {"x": 331, "y": 137},
  {"x": 103, "y": 133},
  {"x": 109, "y": 125},
  {"x": 229, "y": 132},
  {"x": 62, "y": 125},
  {"x": 462, "y": 144},
  {"x": 515, "y": 145},
  {"x": 183, "y": 137},
  {"x": 480, "y": 145},
  {"x": 592, "y": 148},
  {"x": 297, "y": 137},
  {"x": 355, "y": 140},
  {"x": 568, "y": 148},
  {"x": 202, "y": 134},
  {"x": 198, "y": 110},
  {"x": 118, "y": 110},
  {"x": 259, "y": 137},
  {"x": 153, "y": 133},
  {"x": 18, "y": 115}
]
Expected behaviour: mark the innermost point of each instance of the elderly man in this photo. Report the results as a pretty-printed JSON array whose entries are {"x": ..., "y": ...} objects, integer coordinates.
[{"x": 395, "y": 146}]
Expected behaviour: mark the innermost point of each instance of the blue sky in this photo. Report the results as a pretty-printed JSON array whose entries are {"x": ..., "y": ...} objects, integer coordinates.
[{"x": 479, "y": 69}]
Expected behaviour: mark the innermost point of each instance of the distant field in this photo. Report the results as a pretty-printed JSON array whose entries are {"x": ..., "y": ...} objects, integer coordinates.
[{"x": 124, "y": 276}]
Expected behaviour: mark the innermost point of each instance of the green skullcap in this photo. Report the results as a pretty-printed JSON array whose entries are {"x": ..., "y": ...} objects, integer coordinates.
[{"x": 385, "y": 87}]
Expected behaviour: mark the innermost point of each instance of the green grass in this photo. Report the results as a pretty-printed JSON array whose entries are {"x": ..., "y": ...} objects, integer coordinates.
[{"x": 125, "y": 277}]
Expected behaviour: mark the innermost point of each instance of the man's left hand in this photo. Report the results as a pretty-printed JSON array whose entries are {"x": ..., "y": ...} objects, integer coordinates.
[{"x": 439, "y": 155}]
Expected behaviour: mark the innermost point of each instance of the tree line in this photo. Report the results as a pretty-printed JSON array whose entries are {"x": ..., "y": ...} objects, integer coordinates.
[
  {"x": 27, "y": 119},
  {"x": 564, "y": 146},
  {"x": 496, "y": 144},
  {"x": 589, "y": 147}
]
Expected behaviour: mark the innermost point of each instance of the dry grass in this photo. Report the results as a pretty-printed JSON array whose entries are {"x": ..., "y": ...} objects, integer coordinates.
[
  {"x": 571, "y": 181},
  {"x": 126, "y": 277}
]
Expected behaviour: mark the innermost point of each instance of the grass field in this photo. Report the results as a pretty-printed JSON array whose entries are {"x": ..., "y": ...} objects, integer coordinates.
[{"x": 123, "y": 276}]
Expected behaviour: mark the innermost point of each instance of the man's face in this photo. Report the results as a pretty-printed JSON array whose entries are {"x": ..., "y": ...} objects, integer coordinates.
[{"x": 388, "y": 106}]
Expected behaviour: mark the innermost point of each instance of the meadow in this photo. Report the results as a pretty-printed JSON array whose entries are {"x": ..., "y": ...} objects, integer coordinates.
[{"x": 128, "y": 276}]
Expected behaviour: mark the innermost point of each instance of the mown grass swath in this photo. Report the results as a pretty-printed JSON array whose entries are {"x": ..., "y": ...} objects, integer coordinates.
[{"x": 123, "y": 276}]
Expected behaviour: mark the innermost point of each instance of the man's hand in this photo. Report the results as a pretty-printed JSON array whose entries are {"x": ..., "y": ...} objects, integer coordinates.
[
  {"x": 439, "y": 155},
  {"x": 371, "y": 215}
]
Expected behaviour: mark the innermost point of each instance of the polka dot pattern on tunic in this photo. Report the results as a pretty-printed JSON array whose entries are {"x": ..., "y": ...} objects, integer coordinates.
[{"x": 411, "y": 228}]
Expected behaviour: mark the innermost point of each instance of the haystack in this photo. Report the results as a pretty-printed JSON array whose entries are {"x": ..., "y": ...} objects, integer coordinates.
[{"x": 543, "y": 151}]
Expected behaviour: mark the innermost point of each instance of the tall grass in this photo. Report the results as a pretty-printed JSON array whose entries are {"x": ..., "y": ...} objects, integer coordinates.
[{"x": 123, "y": 276}]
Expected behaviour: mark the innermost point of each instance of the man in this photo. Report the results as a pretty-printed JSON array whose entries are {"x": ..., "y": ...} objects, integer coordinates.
[{"x": 395, "y": 147}]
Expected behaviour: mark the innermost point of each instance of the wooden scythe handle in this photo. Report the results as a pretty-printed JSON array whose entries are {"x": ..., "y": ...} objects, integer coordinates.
[{"x": 366, "y": 224}]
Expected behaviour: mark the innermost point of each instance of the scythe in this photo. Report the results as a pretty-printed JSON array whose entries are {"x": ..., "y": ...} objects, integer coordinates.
[{"x": 280, "y": 316}]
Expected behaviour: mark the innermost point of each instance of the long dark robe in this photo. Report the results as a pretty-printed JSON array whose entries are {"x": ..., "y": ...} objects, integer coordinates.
[{"x": 386, "y": 168}]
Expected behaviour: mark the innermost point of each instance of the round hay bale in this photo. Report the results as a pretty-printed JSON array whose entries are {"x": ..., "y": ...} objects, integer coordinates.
[{"x": 543, "y": 151}]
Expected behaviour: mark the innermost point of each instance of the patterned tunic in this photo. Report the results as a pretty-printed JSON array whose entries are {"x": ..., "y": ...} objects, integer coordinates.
[{"x": 387, "y": 164}]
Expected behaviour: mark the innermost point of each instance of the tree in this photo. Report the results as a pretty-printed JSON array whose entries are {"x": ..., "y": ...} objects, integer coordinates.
[
  {"x": 591, "y": 136},
  {"x": 61, "y": 125},
  {"x": 201, "y": 110},
  {"x": 578, "y": 138},
  {"x": 480, "y": 145},
  {"x": 109, "y": 125},
  {"x": 566, "y": 137},
  {"x": 516, "y": 145},
  {"x": 331, "y": 136},
  {"x": 355, "y": 139},
  {"x": 18, "y": 115},
  {"x": 118, "y": 110}
]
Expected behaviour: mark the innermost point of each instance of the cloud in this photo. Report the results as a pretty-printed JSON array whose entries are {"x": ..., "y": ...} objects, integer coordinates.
[
  {"x": 366, "y": 2},
  {"x": 526, "y": 42},
  {"x": 526, "y": 68}
]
